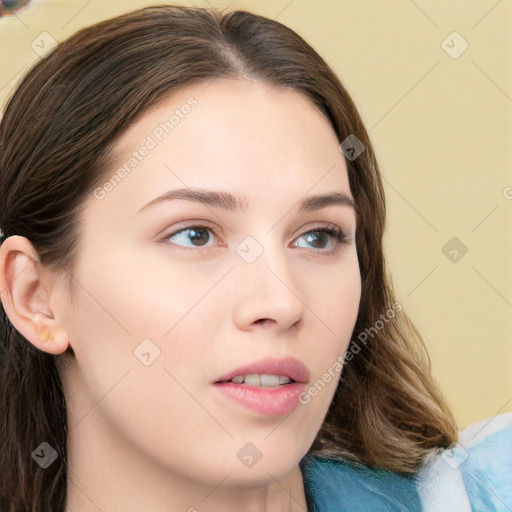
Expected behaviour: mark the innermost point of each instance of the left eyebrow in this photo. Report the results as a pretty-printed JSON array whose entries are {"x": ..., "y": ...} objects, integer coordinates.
[
  {"x": 234, "y": 203},
  {"x": 319, "y": 201}
]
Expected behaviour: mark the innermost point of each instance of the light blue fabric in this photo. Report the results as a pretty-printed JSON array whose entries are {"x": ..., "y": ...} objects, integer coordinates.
[
  {"x": 473, "y": 475},
  {"x": 487, "y": 471}
]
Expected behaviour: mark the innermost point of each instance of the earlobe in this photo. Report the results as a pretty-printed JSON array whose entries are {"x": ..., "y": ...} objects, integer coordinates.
[
  {"x": 26, "y": 289},
  {"x": 50, "y": 338}
]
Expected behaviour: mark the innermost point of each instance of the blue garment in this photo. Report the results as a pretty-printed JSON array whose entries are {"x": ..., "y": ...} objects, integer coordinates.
[{"x": 472, "y": 475}]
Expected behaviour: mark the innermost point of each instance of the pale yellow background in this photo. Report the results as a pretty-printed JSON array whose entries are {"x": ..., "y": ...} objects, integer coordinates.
[{"x": 442, "y": 132}]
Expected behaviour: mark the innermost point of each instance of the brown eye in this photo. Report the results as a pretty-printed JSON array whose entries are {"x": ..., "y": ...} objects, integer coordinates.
[{"x": 197, "y": 236}]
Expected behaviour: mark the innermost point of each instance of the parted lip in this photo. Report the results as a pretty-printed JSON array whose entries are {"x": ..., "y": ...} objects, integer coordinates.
[{"x": 288, "y": 367}]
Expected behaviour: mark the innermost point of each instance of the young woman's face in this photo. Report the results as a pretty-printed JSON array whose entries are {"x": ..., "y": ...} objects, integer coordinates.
[{"x": 168, "y": 298}]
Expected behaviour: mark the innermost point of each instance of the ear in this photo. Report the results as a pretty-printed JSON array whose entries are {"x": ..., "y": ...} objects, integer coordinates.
[{"x": 28, "y": 292}]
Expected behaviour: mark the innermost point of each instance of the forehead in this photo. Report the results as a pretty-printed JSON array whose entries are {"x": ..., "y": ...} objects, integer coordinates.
[
  {"x": 243, "y": 136},
  {"x": 248, "y": 107}
]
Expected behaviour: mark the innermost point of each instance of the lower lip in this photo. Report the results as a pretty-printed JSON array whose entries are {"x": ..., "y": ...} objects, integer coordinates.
[{"x": 267, "y": 401}]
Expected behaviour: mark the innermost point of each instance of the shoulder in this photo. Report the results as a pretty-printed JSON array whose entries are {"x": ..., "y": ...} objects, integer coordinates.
[
  {"x": 341, "y": 486},
  {"x": 473, "y": 474}
]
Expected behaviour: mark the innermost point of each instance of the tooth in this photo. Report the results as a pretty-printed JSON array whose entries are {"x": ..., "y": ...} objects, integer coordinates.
[
  {"x": 261, "y": 380},
  {"x": 253, "y": 379},
  {"x": 269, "y": 380}
]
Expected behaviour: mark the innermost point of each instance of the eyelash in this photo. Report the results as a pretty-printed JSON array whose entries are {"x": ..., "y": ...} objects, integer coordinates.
[{"x": 334, "y": 231}]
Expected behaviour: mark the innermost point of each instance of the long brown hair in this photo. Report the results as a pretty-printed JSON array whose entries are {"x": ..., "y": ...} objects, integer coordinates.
[{"x": 56, "y": 137}]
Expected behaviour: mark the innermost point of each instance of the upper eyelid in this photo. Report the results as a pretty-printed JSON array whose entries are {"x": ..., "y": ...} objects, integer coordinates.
[{"x": 204, "y": 225}]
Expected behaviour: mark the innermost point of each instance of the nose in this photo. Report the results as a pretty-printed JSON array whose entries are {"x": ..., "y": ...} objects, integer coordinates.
[{"x": 266, "y": 293}]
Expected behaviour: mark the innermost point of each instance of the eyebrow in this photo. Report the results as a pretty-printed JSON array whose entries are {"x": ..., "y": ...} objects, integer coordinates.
[{"x": 234, "y": 203}]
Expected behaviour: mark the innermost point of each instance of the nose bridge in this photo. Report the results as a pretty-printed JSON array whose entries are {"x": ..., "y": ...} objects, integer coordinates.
[{"x": 269, "y": 289}]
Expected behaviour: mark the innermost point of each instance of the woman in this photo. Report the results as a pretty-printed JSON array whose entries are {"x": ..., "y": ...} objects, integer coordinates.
[{"x": 197, "y": 314}]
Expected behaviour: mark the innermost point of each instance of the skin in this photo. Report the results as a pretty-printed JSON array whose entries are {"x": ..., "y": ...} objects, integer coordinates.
[{"x": 159, "y": 437}]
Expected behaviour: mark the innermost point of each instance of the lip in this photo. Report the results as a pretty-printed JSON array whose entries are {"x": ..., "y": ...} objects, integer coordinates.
[
  {"x": 288, "y": 367},
  {"x": 264, "y": 401}
]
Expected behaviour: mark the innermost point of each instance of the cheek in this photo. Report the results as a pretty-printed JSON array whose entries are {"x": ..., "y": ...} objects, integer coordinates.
[
  {"x": 130, "y": 377},
  {"x": 136, "y": 294},
  {"x": 333, "y": 299},
  {"x": 343, "y": 306}
]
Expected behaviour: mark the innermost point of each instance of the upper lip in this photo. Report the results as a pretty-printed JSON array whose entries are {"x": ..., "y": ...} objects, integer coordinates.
[{"x": 288, "y": 367}]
